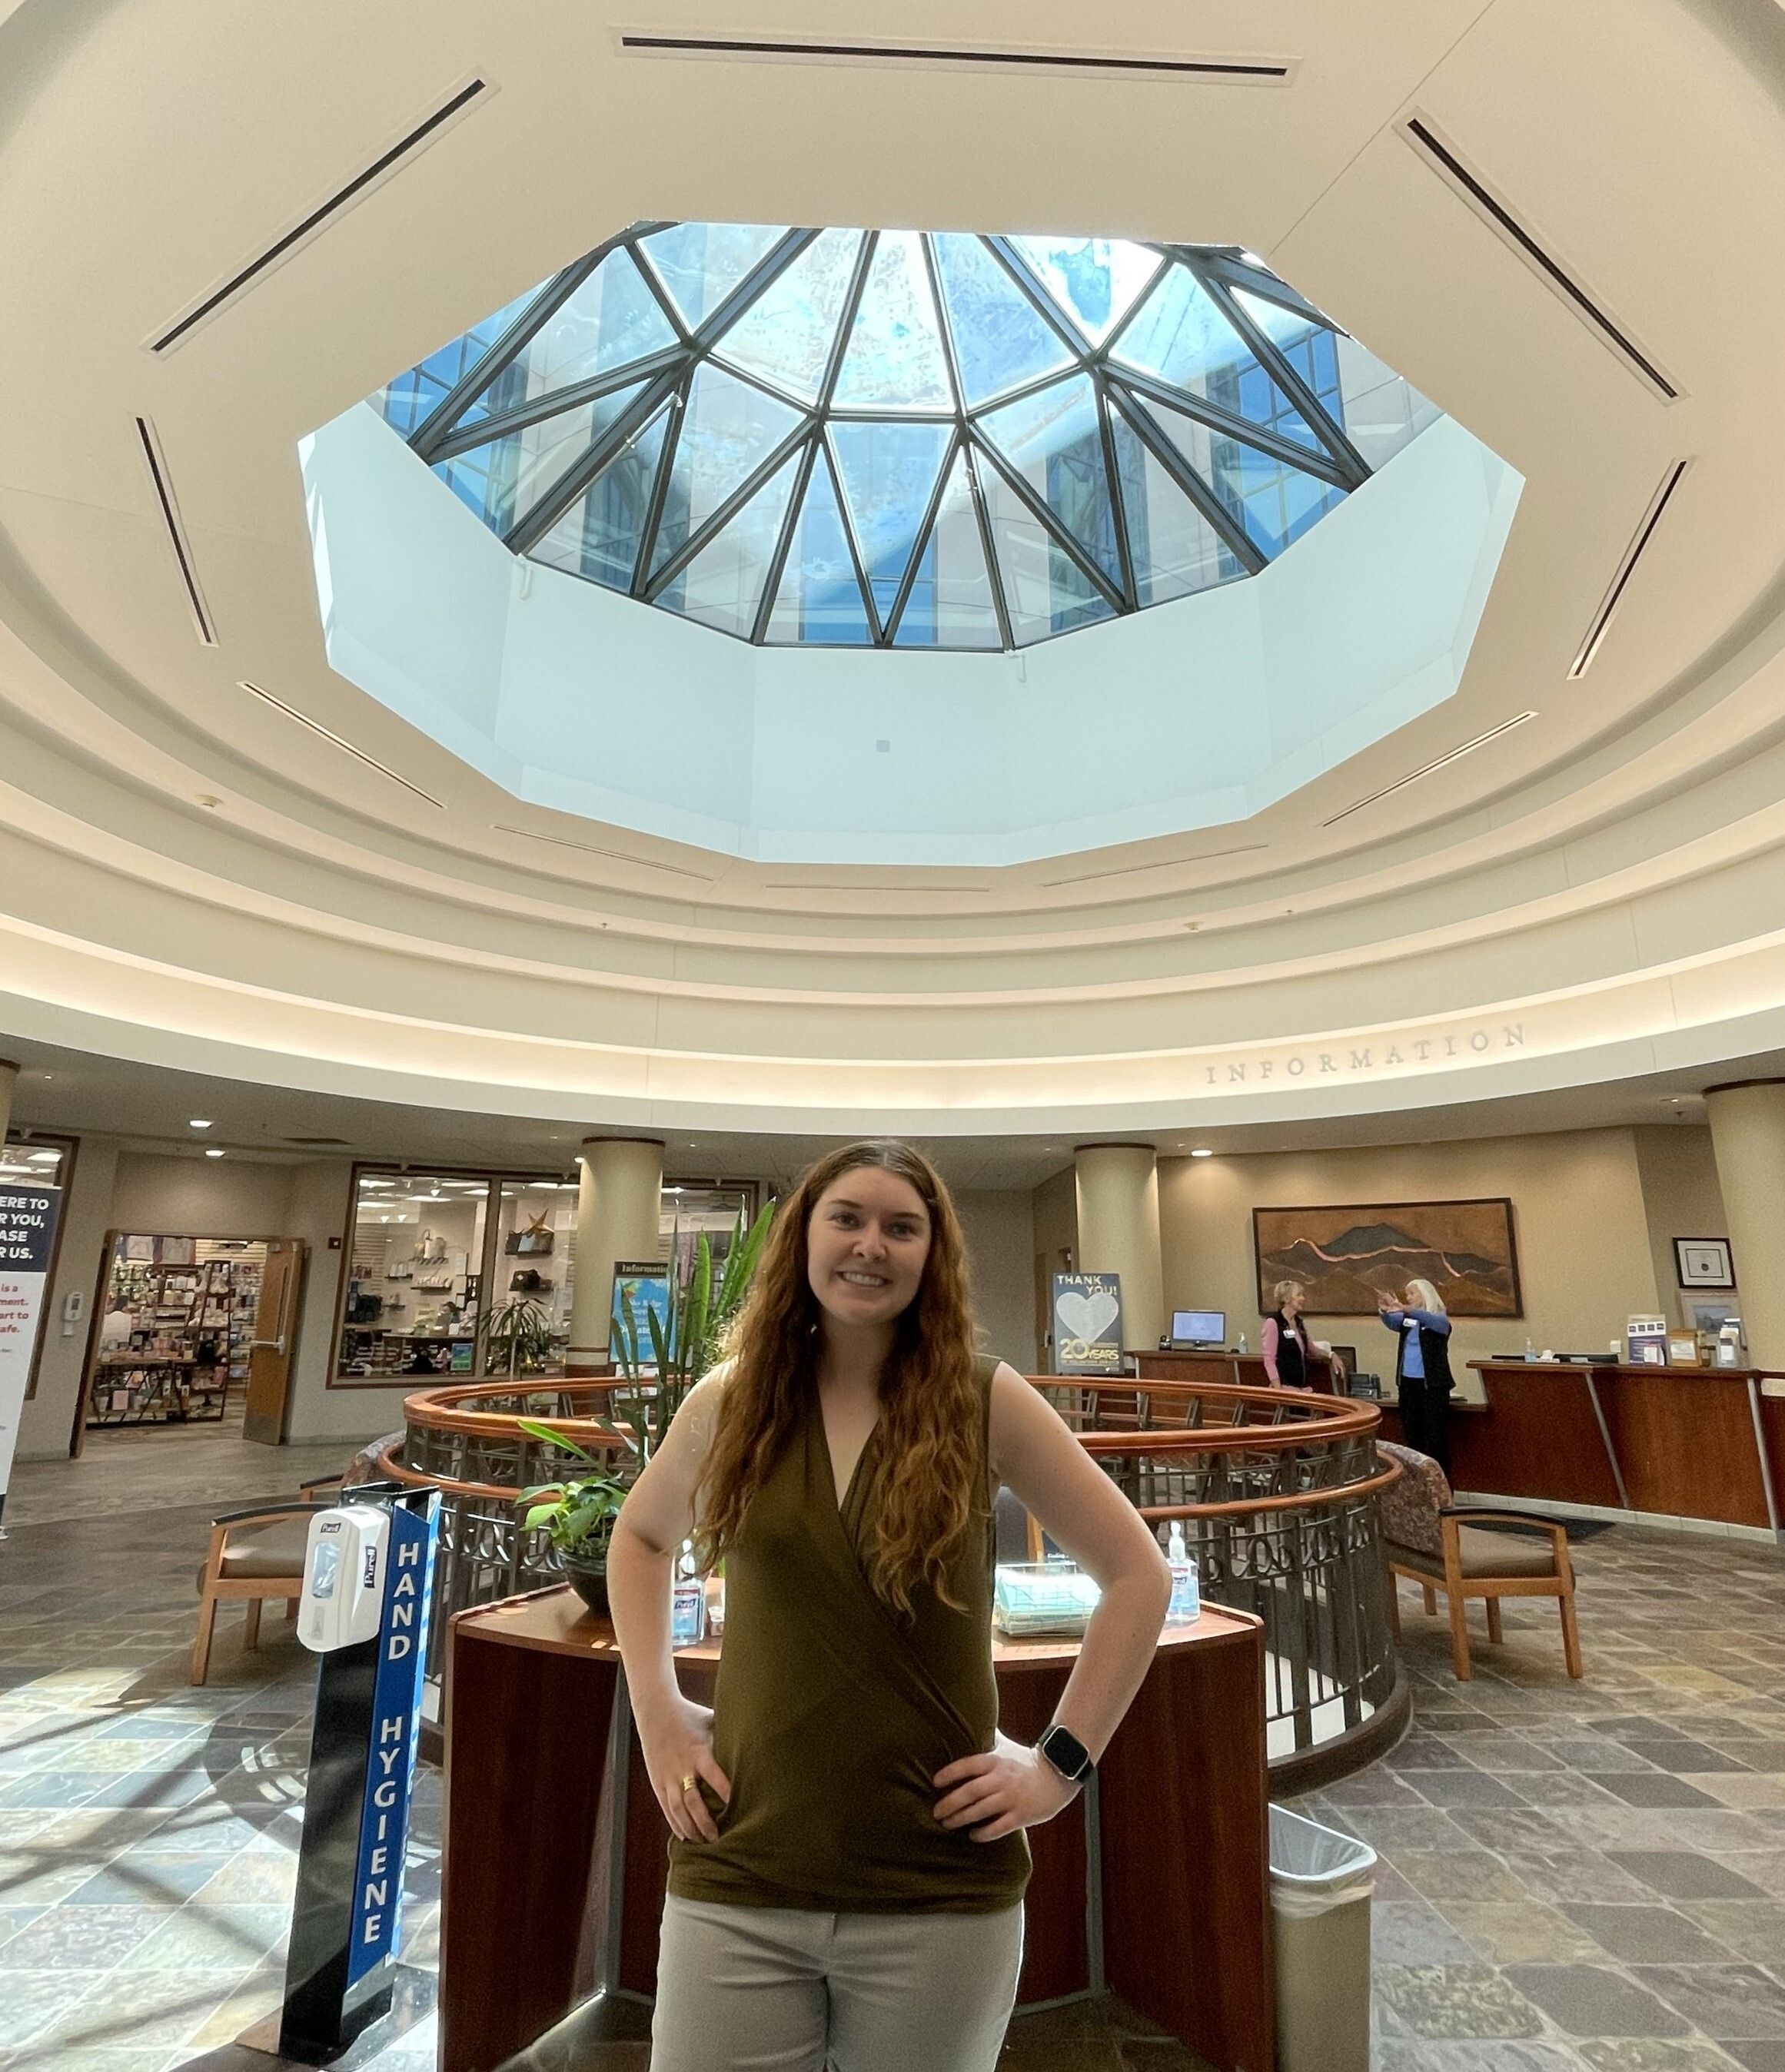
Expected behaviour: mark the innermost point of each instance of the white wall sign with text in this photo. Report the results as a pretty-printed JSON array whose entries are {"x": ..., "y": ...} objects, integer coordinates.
[{"x": 28, "y": 1244}]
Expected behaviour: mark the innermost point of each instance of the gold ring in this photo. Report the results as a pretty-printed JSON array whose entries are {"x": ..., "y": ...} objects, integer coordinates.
[{"x": 687, "y": 1783}]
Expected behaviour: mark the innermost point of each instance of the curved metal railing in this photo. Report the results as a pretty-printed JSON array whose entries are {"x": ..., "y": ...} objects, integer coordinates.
[{"x": 1276, "y": 1492}]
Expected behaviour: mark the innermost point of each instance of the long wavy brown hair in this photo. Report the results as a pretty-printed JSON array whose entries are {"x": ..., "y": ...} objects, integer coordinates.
[{"x": 931, "y": 1437}]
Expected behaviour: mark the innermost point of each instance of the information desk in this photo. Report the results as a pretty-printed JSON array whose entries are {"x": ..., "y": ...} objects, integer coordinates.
[
  {"x": 555, "y": 1858},
  {"x": 1231, "y": 1370},
  {"x": 1677, "y": 1442}
]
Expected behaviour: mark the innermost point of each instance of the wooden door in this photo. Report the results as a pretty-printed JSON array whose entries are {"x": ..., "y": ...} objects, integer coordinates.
[{"x": 274, "y": 1341}]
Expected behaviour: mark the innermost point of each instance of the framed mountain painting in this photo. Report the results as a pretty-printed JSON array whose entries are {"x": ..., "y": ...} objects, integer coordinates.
[{"x": 1344, "y": 1258}]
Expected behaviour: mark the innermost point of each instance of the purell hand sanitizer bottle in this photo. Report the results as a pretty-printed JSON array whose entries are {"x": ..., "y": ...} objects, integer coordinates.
[
  {"x": 1186, "y": 1597},
  {"x": 687, "y": 1603}
]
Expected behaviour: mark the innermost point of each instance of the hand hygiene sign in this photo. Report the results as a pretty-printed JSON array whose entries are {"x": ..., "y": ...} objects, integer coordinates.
[
  {"x": 27, "y": 1240},
  {"x": 396, "y": 1723}
]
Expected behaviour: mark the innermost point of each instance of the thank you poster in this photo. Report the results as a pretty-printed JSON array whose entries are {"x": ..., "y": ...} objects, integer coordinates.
[
  {"x": 27, "y": 1239},
  {"x": 1087, "y": 1323}
]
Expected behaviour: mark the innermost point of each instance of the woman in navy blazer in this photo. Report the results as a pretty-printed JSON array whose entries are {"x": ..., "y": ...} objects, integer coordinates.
[{"x": 1422, "y": 1371}]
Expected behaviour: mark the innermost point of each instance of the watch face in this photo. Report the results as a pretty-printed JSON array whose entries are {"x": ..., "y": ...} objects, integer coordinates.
[{"x": 1067, "y": 1753}]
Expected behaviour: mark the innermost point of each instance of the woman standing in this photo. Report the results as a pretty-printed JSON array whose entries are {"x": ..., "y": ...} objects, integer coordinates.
[
  {"x": 847, "y": 1872},
  {"x": 1422, "y": 1372},
  {"x": 1286, "y": 1347}
]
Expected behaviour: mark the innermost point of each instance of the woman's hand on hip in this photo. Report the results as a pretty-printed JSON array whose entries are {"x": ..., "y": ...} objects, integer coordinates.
[
  {"x": 675, "y": 1739},
  {"x": 993, "y": 1795}
]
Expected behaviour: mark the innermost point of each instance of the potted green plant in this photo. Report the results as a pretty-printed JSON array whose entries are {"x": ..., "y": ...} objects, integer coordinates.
[
  {"x": 578, "y": 1516},
  {"x": 517, "y": 1338}
]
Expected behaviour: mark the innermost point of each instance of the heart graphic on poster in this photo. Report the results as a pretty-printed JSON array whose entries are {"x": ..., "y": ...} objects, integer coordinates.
[{"x": 1088, "y": 1317}]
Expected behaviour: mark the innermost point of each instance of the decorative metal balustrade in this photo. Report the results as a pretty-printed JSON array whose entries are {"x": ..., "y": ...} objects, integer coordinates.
[{"x": 1277, "y": 1493}]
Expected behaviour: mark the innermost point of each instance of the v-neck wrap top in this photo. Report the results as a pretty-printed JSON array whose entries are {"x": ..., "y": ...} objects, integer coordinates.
[{"x": 833, "y": 1712}]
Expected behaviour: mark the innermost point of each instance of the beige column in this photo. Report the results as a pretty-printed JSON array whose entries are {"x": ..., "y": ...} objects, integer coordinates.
[
  {"x": 1118, "y": 1191},
  {"x": 618, "y": 1191},
  {"x": 1748, "y": 1136},
  {"x": 9, "y": 1074}
]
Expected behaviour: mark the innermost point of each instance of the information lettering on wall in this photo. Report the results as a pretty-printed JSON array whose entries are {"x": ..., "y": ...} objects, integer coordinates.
[
  {"x": 1087, "y": 1323},
  {"x": 396, "y": 1726},
  {"x": 28, "y": 1217}
]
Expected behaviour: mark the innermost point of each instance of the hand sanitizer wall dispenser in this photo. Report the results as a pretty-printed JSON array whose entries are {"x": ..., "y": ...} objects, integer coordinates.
[{"x": 344, "y": 1592}]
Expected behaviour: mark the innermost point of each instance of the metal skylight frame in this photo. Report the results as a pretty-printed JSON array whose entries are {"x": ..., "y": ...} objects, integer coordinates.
[{"x": 1121, "y": 393}]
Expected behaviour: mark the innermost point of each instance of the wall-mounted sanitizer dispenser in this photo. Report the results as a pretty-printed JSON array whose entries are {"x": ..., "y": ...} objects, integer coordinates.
[{"x": 344, "y": 1592}]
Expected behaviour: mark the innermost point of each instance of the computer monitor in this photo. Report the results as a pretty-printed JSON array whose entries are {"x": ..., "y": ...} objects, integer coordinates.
[{"x": 1199, "y": 1327}]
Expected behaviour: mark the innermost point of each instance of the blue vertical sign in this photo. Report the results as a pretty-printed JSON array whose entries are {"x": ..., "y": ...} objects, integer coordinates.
[{"x": 395, "y": 1727}]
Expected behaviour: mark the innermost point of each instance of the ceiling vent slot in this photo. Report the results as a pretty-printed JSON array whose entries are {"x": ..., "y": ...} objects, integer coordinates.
[
  {"x": 1627, "y": 568},
  {"x": 616, "y": 855},
  {"x": 174, "y": 526},
  {"x": 1171, "y": 863},
  {"x": 320, "y": 1143},
  {"x": 335, "y": 740},
  {"x": 315, "y": 220},
  {"x": 1448, "y": 163},
  {"x": 1430, "y": 769},
  {"x": 1252, "y": 70}
]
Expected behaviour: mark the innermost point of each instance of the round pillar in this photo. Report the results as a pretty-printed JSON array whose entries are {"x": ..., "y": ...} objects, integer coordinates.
[
  {"x": 1118, "y": 1198},
  {"x": 618, "y": 1192},
  {"x": 1748, "y": 1136}
]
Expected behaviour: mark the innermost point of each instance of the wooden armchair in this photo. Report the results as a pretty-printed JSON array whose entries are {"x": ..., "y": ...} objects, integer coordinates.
[{"x": 1478, "y": 1552}]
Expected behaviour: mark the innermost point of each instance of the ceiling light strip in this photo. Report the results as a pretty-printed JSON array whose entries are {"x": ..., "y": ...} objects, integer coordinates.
[
  {"x": 169, "y": 508},
  {"x": 618, "y": 855},
  {"x": 1272, "y": 71},
  {"x": 1481, "y": 197},
  {"x": 317, "y": 219},
  {"x": 359, "y": 754},
  {"x": 1442, "y": 763},
  {"x": 1627, "y": 568}
]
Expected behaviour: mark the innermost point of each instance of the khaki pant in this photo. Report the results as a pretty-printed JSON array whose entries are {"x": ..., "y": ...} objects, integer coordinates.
[{"x": 774, "y": 1989}]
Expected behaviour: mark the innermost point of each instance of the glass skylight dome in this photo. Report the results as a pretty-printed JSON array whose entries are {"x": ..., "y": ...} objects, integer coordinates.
[{"x": 904, "y": 438}]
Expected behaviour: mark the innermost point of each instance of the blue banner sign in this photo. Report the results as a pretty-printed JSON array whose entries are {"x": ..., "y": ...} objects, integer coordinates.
[{"x": 396, "y": 1727}]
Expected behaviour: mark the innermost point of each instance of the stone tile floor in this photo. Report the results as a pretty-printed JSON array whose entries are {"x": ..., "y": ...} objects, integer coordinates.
[{"x": 1573, "y": 1876}]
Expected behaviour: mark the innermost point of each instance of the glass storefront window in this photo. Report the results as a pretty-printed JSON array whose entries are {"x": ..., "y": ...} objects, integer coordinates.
[
  {"x": 530, "y": 1301},
  {"x": 691, "y": 1207},
  {"x": 415, "y": 1277}
]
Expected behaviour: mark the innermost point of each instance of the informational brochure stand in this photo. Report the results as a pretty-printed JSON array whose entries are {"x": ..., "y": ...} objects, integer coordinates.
[{"x": 368, "y": 1572}]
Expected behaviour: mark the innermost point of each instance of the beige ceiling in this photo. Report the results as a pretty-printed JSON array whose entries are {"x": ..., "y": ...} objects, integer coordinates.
[{"x": 190, "y": 880}]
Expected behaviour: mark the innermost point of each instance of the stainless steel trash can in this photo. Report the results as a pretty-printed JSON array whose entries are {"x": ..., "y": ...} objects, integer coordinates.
[{"x": 1320, "y": 1886}]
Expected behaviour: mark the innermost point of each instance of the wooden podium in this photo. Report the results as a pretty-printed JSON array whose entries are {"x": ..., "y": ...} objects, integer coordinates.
[{"x": 556, "y": 1853}]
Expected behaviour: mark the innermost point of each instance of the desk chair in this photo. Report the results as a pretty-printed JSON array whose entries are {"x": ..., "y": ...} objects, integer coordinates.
[{"x": 1483, "y": 1553}]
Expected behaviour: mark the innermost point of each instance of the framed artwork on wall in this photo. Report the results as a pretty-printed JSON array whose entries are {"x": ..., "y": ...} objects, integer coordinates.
[
  {"x": 1704, "y": 1262},
  {"x": 1345, "y": 1257}
]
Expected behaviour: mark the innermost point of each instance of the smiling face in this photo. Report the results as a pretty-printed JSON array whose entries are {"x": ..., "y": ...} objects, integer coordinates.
[{"x": 866, "y": 1245}]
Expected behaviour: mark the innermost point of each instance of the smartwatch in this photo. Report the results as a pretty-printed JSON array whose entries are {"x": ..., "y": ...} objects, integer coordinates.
[{"x": 1063, "y": 1751}]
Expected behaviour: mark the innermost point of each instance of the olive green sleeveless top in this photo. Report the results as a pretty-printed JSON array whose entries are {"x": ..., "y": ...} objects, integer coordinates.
[{"x": 833, "y": 1712}]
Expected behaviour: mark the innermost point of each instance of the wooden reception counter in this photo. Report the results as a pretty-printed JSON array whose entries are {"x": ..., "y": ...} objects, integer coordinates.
[
  {"x": 1230, "y": 1369},
  {"x": 556, "y": 1851},
  {"x": 1693, "y": 1443}
]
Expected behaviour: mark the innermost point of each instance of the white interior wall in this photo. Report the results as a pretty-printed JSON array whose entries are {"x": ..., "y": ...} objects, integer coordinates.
[{"x": 999, "y": 1226}]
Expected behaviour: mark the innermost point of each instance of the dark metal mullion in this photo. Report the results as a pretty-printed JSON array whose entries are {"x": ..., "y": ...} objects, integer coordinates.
[
  {"x": 766, "y": 270},
  {"x": 1321, "y": 465},
  {"x": 556, "y": 404},
  {"x": 845, "y": 322},
  {"x": 721, "y": 515},
  {"x": 527, "y": 532},
  {"x": 1038, "y": 296},
  {"x": 1118, "y": 509},
  {"x": 1232, "y": 535},
  {"x": 1040, "y": 511},
  {"x": 679, "y": 409},
  {"x": 784, "y": 544},
  {"x": 1356, "y": 469},
  {"x": 864, "y": 263},
  {"x": 1236, "y": 273},
  {"x": 994, "y": 575},
  {"x": 908, "y": 582},
  {"x": 497, "y": 355},
  {"x": 647, "y": 272},
  {"x": 856, "y": 562},
  {"x": 1102, "y": 352},
  {"x": 933, "y": 275}
]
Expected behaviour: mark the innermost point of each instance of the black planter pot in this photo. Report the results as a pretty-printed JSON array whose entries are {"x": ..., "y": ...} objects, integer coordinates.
[{"x": 589, "y": 1580}]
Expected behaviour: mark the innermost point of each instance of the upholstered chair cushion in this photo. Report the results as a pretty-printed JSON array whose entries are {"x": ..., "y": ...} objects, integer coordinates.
[
  {"x": 1410, "y": 1506},
  {"x": 274, "y": 1549},
  {"x": 1482, "y": 1551}
]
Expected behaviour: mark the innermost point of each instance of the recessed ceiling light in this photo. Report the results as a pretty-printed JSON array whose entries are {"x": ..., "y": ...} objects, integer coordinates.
[
  {"x": 1202, "y": 1151},
  {"x": 199, "y": 1122},
  {"x": 213, "y": 1151}
]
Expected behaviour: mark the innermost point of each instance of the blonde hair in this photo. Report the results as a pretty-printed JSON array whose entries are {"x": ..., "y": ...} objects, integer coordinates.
[
  {"x": 1429, "y": 1296},
  {"x": 1284, "y": 1289}
]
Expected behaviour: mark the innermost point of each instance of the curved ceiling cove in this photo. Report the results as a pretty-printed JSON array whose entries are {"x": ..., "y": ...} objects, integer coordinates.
[{"x": 946, "y": 448}]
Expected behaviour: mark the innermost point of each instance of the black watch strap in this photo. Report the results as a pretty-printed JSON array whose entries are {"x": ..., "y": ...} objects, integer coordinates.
[{"x": 1067, "y": 1753}]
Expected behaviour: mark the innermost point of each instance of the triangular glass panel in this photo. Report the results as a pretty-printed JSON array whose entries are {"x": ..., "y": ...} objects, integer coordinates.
[
  {"x": 1095, "y": 281},
  {"x": 1045, "y": 590},
  {"x": 819, "y": 603},
  {"x": 951, "y": 603},
  {"x": 786, "y": 335},
  {"x": 1272, "y": 501},
  {"x": 1175, "y": 549},
  {"x": 1001, "y": 339},
  {"x": 895, "y": 360},
  {"x": 612, "y": 320},
  {"x": 729, "y": 429},
  {"x": 502, "y": 478},
  {"x": 1053, "y": 440},
  {"x": 413, "y": 396},
  {"x": 701, "y": 263},
  {"x": 1377, "y": 411},
  {"x": 599, "y": 537},
  {"x": 722, "y": 585},
  {"x": 888, "y": 475},
  {"x": 1180, "y": 336}
]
